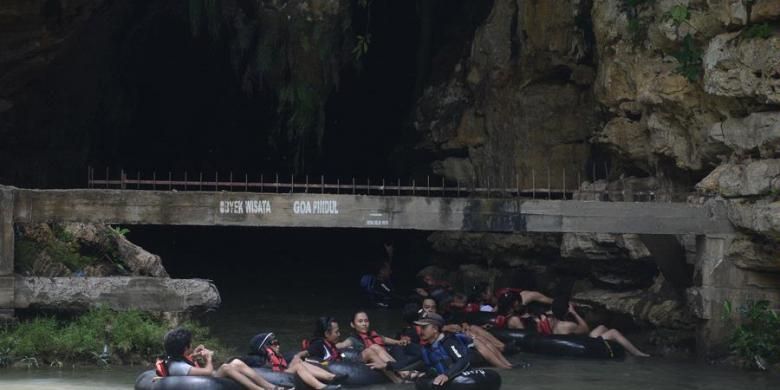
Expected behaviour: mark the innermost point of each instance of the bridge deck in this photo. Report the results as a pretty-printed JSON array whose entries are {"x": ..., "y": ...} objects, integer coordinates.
[{"x": 361, "y": 211}]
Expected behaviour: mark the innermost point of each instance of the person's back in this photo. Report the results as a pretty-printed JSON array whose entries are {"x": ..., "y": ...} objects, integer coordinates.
[{"x": 176, "y": 361}]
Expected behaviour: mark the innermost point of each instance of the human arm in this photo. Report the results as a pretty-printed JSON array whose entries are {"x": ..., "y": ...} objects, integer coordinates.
[
  {"x": 301, "y": 355},
  {"x": 207, "y": 369},
  {"x": 582, "y": 326},
  {"x": 345, "y": 344},
  {"x": 440, "y": 379},
  {"x": 459, "y": 354},
  {"x": 535, "y": 296},
  {"x": 392, "y": 341}
]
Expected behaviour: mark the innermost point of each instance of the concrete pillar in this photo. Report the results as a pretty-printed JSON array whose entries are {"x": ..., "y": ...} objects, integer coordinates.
[
  {"x": 717, "y": 280},
  {"x": 6, "y": 252}
]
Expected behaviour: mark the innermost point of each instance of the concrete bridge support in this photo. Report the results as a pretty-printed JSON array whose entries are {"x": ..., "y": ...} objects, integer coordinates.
[
  {"x": 6, "y": 253},
  {"x": 717, "y": 280}
]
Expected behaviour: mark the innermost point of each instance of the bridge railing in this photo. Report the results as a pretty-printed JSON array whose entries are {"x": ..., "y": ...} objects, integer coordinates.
[{"x": 427, "y": 186}]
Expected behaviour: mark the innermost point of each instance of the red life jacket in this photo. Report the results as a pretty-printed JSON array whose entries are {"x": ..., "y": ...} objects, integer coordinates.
[
  {"x": 371, "y": 339},
  {"x": 333, "y": 351},
  {"x": 277, "y": 361},
  {"x": 335, "y": 354},
  {"x": 161, "y": 365},
  {"x": 543, "y": 326},
  {"x": 499, "y": 321}
]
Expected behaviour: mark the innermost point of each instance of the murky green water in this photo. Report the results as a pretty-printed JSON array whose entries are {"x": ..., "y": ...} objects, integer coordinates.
[
  {"x": 545, "y": 374},
  {"x": 292, "y": 319}
]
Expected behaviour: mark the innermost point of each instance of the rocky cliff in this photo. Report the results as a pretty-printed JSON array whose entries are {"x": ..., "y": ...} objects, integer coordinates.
[{"x": 674, "y": 97}]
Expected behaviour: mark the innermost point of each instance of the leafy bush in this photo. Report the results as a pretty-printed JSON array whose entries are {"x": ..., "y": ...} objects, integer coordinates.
[
  {"x": 64, "y": 249},
  {"x": 756, "y": 338},
  {"x": 130, "y": 336}
]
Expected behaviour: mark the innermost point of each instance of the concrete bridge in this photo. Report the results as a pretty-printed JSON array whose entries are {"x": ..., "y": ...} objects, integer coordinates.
[{"x": 657, "y": 223}]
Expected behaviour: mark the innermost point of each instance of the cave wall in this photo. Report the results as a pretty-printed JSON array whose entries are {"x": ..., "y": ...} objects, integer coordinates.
[{"x": 673, "y": 97}]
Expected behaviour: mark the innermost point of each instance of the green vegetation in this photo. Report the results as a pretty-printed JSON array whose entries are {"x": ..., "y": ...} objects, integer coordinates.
[
  {"x": 678, "y": 14},
  {"x": 100, "y": 337},
  {"x": 119, "y": 231},
  {"x": 756, "y": 337},
  {"x": 689, "y": 57},
  {"x": 361, "y": 46},
  {"x": 762, "y": 31},
  {"x": 362, "y": 41},
  {"x": 636, "y": 27},
  {"x": 58, "y": 251}
]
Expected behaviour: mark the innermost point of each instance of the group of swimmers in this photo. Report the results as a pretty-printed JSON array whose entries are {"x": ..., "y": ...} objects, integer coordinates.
[
  {"x": 438, "y": 340},
  {"x": 513, "y": 308}
]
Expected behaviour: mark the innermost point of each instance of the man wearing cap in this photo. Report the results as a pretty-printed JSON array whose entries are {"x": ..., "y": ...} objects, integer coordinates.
[{"x": 446, "y": 354}]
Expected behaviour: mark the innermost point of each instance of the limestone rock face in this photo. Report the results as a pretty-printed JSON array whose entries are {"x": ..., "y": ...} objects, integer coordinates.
[
  {"x": 599, "y": 246},
  {"x": 119, "y": 293},
  {"x": 137, "y": 260},
  {"x": 656, "y": 305},
  {"x": 759, "y": 130},
  {"x": 754, "y": 253},
  {"x": 761, "y": 217},
  {"x": 521, "y": 94},
  {"x": 738, "y": 67},
  {"x": 616, "y": 261},
  {"x": 91, "y": 249},
  {"x": 754, "y": 178}
]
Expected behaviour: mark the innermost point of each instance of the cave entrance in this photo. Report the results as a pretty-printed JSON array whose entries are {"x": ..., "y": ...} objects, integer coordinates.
[{"x": 282, "y": 279}]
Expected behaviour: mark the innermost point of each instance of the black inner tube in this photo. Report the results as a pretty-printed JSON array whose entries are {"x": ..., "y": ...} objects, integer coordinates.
[{"x": 474, "y": 379}]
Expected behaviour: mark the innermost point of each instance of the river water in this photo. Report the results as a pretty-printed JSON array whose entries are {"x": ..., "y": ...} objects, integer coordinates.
[
  {"x": 283, "y": 287},
  {"x": 292, "y": 319}
]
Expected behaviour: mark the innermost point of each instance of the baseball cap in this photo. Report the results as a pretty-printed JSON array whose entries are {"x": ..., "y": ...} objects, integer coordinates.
[{"x": 430, "y": 319}]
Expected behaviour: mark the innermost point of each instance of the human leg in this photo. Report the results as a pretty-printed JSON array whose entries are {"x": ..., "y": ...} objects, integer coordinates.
[
  {"x": 598, "y": 331},
  {"x": 248, "y": 372},
  {"x": 480, "y": 332},
  {"x": 616, "y": 336},
  {"x": 229, "y": 371},
  {"x": 492, "y": 355}
]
